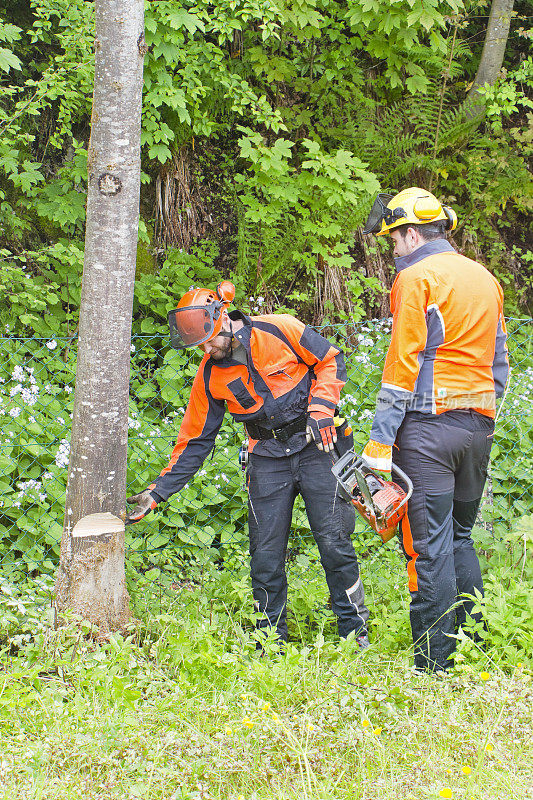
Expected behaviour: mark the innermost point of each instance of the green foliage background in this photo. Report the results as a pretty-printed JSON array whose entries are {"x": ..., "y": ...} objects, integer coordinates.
[
  {"x": 278, "y": 121},
  {"x": 267, "y": 129}
]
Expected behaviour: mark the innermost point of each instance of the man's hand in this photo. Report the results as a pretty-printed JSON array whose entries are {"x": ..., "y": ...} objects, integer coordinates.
[
  {"x": 378, "y": 456},
  {"x": 321, "y": 428},
  {"x": 144, "y": 504}
]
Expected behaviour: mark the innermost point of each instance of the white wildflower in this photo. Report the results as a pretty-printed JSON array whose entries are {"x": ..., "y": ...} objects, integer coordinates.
[
  {"x": 28, "y": 396},
  {"x": 63, "y": 453},
  {"x": 52, "y": 344}
]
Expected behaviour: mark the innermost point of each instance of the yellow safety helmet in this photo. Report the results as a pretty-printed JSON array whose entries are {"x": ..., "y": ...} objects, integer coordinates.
[{"x": 412, "y": 206}]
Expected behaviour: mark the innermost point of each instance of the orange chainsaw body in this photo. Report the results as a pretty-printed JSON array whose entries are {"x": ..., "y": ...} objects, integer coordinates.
[
  {"x": 386, "y": 502},
  {"x": 381, "y": 503}
]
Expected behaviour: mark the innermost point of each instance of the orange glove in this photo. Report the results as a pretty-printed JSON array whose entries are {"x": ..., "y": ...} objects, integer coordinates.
[
  {"x": 321, "y": 428},
  {"x": 144, "y": 503},
  {"x": 378, "y": 456}
]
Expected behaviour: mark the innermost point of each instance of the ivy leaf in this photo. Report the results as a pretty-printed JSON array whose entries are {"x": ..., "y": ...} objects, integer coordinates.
[
  {"x": 8, "y": 60},
  {"x": 160, "y": 151},
  {"x": 182, "y": 19},
  {"x": 417, "y": 83},
  {"x": 30, "y": 175}
]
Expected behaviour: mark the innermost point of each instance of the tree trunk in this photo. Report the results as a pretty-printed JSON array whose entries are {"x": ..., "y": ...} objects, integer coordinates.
[
  {"x": 95, "y": 586},
  {"x": 493, "y": 52},
  {"x": 376, "y": 267},
  {"x": 97, "y": 469}
]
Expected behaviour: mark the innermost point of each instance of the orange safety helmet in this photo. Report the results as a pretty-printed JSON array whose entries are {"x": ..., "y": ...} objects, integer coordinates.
[{"x": 198, "y": 316}]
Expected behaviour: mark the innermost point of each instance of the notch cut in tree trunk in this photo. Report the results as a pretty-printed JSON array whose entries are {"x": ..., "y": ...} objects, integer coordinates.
[{"x": 91, "y": 580}]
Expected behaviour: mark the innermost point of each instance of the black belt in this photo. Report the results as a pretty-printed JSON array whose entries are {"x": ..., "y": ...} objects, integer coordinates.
[{"x": 282, "y": 434}]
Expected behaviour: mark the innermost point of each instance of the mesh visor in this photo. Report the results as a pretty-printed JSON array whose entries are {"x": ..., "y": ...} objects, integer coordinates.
[
  {"x": 190, "y": 326},
  {"x": 377, "y": 213}
]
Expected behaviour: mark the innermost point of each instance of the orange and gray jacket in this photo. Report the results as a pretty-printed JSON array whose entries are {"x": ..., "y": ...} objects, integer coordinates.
[
  {"x": 448, "y": 347},
  {"x": 290, "y": 370}
]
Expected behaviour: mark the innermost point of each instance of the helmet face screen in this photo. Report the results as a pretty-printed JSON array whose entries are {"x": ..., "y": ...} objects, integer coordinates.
[
  {"x": 377, "y": 213},
  {"x": 190, "y": 326}
]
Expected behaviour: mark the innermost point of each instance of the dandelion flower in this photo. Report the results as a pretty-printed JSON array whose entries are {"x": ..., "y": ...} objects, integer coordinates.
[
  {"x": 229, "y": 730},
  {"x": 377, "y": 731},
  {"x": 310, "y": 727},
  {"x": 365, "y": 723},
  {"x": 489, "y": 748},
  {"x": 484, "y": 676},
  {"x": 266, "y": 707},
  {"x": 466, "y": 770},
  {"x": 275, "y": 717},
  {"x": 243, "y": 697},
  {"x": 446, "y": 792},
  {"x": 247, "y": 722}
]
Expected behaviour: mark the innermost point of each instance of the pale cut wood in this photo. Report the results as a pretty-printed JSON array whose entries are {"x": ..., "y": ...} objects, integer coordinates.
[{"x": 97, "y": 525}]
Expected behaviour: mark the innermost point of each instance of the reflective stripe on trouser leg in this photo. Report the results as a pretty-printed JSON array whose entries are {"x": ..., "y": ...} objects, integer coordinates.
[{"x": 356, "y": 598}]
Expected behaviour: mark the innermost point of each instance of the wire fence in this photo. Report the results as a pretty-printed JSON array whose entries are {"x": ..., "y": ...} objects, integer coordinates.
[{"x": 205, "y": 525}]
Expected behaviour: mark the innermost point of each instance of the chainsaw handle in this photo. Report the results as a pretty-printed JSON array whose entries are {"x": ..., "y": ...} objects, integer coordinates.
[{"x": 407, "y": 480}]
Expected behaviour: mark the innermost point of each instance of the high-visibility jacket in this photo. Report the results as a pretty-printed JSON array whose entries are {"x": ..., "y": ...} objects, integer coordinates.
[
  {"x": 290, "y": 370},
  {"x": 448, "y": 346}
]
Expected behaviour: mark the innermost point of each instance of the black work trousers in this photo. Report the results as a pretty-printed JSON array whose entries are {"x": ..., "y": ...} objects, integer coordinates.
[
  {"x": 446, "y": 457},
  {"x": 273, "y": 484}
]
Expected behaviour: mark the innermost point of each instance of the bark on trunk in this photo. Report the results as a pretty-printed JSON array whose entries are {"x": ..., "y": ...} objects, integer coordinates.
[
  {"x": 97, "y": 468},
  {"x": 95, "y": 587},
  {"x": 493, "y": 52},
  {"x": 376, "y": 267}
]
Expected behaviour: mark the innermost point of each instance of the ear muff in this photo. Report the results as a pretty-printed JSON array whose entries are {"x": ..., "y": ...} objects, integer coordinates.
[
  {"x": 225, "y": 292},
  {"x": 427, "y": 208},
  {"x": 451, "y": 218}
]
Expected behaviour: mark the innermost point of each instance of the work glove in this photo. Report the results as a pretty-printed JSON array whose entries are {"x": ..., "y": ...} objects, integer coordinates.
[
  {"x": 145, "y": 502},
  {"x": 321, "y": 428},
  {"x": 378, "y": 456},
  {"x": 344, "y": 436}
]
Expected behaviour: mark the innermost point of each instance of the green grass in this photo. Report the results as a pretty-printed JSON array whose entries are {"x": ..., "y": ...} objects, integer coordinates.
[{"x": 185, "y": 708}]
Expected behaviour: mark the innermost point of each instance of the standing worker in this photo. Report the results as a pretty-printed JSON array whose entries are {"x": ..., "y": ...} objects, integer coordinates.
[
  {"x": 283, "y": 381},
  {"x": 446, "y": 364}
]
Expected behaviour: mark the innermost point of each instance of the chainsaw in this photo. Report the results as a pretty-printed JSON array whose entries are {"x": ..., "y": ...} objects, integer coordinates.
[{"x": 381, "y": 503}]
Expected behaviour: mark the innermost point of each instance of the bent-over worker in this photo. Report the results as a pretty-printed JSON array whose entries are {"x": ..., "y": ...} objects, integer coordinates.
[{"x": 283, "y": 381}]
